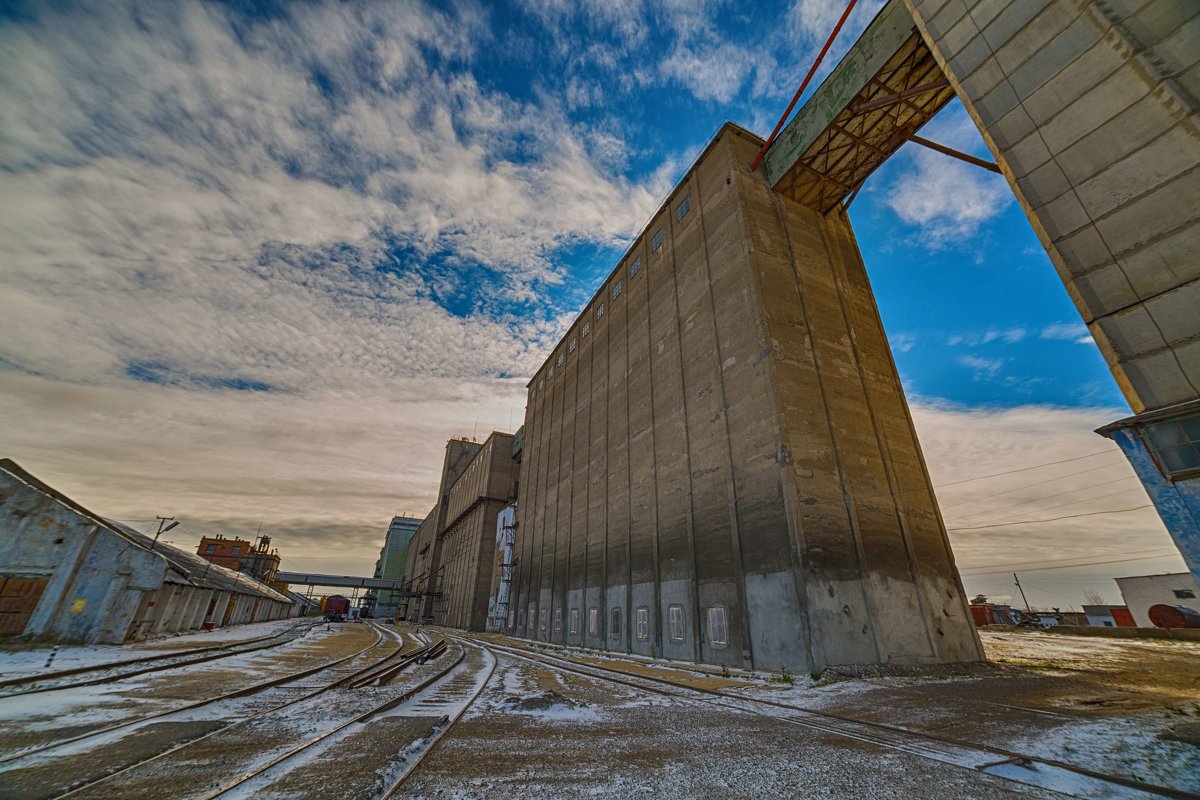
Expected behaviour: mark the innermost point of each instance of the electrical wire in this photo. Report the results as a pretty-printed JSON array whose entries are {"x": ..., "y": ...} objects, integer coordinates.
[
  {"x": 1051, "y": 519},
  {"x": 1036, "y": 500},
  {"x": 1026, "y": 469},
  {"x": 1017, "y": 565},
  {"x": 1036, "y": 483},
  {"x": 1069, "y": 566}
]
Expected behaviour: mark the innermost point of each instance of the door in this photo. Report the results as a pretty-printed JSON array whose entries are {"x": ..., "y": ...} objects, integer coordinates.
[{"x": 18, "y": 598}]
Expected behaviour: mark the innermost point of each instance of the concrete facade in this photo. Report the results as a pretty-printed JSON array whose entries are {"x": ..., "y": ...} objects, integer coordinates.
[
  {"x": 449, "y": 575},
  {"x": 1091, "y": 110},
  {"x": 393, "y": 557},
  {"x": 1172, "y": 589},
  {"x": 106, "y": 583},
  {"x": 719, "y": 461}
]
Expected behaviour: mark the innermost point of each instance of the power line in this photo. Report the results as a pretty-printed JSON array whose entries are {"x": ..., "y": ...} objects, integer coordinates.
[
  {"x": 1018, "y": 565},
  {"x": 1070, "y": 566},
  {"x": 1051, "y": 519},
  {"x": 1037, "y": 483},
  {"x": 1026, "y": 469},
  {"x": 1037, "y": 500}
]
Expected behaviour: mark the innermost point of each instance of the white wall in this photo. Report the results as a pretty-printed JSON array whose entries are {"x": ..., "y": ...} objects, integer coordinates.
[{"x": 1144, "y": 591}]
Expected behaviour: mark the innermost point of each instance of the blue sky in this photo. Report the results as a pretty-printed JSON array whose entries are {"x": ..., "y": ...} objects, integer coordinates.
[{"x": 259, "y": 261}]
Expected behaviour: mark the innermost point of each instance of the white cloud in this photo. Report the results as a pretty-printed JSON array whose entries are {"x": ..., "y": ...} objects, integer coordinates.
[
  {"x": 982, "y": 367},
  {"x": 977, "y": 338},
  {"x": 1075, "y": 332},
  {"x": 947, "y": 199}
]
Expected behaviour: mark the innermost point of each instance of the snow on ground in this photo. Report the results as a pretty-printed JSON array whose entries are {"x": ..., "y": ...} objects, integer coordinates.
[{"x": 20, "y": 663}]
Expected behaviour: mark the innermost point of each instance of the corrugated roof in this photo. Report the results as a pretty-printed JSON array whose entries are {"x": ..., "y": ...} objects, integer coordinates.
[{"x": 185, "y": 567}]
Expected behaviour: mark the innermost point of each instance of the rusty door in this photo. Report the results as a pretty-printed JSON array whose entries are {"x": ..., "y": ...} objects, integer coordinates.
[{"x": 18, "y": 598}]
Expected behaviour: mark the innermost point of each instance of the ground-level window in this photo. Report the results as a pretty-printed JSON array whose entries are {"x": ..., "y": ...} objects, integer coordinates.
[
  {"x": 675, "y": 623},
  {"x": 542, "y": 620},
  {"x": 574, "y": 620},
  {"x": 558, "y": 620},
  {"x": 614, "y": 624},
  {"x": 511, "y": 617},
  {"x": 642, "y": 618},
  {"x": 532, "y": 615},
  {"x": 521, "y": 620},
  {"x": 718, "y": 634},
  {"x": 594, "y": 621}
]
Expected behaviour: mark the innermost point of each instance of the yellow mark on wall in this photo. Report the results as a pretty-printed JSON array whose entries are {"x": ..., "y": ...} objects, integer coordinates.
[{"x": 78, "y": 605}]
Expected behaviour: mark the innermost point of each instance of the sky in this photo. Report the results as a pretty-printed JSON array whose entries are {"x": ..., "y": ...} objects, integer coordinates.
[{"x": 259, "y": 261}]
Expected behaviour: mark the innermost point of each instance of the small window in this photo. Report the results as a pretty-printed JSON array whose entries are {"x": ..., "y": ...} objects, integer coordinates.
[
  {"x": 1185, "y": 594},
  {"x": 587, "y": 327},
  {"x": 675, "y": 623},
  {"x": 571, "y": 346},
  {"x": 614, "y": 624},
  {"x": 550, "y": 374},
  {"x": 541, "y": 384},
  {"x": 542, "y": 620},
  {"x": 642, "y": 618},
  {"x": 593, "y": 621},
  {"x": 532, "y": 614},
  {"x": 512, "y": 614},
  {"x": 1176, "y": 445},
  {"x": 574, "y": 621},
  {"x": 212, "y": 548},
  {"x": 684, "y": 207},
  {"x": 521, "y": 620},
  {"x": 600, "y": 311},
  {"x": 656, "y": 242},
  {"x": 558, "y": 620},
  {"x": 561, "y": 358},
  {"x": 635, "y": 267},
  {"x": 718, "y": 634},
  {"x": 1107, "y": 624},
  {"x": 237, "y": 549},
  {"x": 616, "y": 290}
]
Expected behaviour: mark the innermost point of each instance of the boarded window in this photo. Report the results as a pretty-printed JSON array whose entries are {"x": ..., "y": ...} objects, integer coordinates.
[
  {"x": 675, "y": 623},
  {"x": 542, "y": 620},
  {"x": 558, "y": 620},
  {"x": 656, "y": 242},
  {"x": 511, "y": 617},
  {"x": 532, "y": 616},
  {"x": 616, "y": 290},
  {"x": 635, "y": 266},
  {"x": 718, "y": 634},
  {"x": 574, "y": 621},
  {"x": 593, "y": 621},
  {"x": 614, "y": 624},
  {"x": 642, "y": 619},
  {"x": 682, "y": 209}
]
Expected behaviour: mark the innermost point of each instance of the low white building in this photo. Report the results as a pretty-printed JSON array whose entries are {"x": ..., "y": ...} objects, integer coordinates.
[
  {"x": 1172, "y": 589},
  {"x": 69, "y": 575}
]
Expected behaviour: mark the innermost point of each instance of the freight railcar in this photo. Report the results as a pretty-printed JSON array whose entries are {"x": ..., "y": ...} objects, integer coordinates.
[{"x": 336, "y": 608}]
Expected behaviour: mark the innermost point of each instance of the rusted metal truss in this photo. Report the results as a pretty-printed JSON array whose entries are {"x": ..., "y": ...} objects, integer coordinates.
[{"x": 893, "y": 105}]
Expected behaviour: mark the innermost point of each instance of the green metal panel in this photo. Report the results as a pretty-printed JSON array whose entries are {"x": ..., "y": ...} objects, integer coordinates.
[{"x": 883, "y": 37}]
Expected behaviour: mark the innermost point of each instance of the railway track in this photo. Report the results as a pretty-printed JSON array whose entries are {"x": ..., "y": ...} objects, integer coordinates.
[
  {"x": 1037, "y": 771},
  {"x": 113, "y": 671},
  {"x": 272, "y": 696}
]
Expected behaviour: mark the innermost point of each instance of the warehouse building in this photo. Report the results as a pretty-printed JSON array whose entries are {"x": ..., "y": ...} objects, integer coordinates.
[
  {"x": 450, "y": 572},
  {"x": 69, "y": 575},
  {"x": 1140, "y": 592},
  {"x": 720, "y": 463}
]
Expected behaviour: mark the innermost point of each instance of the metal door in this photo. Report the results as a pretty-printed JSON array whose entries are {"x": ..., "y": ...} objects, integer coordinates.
[{"x": 18, "y": 598}]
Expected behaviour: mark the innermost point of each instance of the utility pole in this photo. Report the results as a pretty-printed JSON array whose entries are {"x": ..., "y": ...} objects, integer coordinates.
[
  {"x": 161, "y": 530},
  {"x": 1022, "y": 591}
]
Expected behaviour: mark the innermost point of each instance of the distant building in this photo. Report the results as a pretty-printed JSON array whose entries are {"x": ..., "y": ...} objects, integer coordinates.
[
  {"x": 393, "y": 557},
  {"x": 224, "y": 552},
  {"x": 1109, "y": 616},
  {"x": 450, "y": 570},
  {"x": 70, "y": 575},
  {"x": 1172, "y": 589}
]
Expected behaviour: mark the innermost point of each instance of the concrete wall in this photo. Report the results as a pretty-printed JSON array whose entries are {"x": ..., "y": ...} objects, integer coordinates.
[
  {"x": 1144, "y": 591},
  {"x": 725, "y": 435},
  {"x": 1090, "y": 109}
]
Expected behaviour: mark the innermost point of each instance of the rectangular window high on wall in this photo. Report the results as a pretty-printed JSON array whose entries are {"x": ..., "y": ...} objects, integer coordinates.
[
  {"x": 634, "y": 267},
  {"x": 571, "y": 345},
  {"x": 574, "y": 621},
  {"x": 657, "y": 240},
  {"x": 614, "y": 624},
  {"x": 587, "y": 327},
  {"x": 600, "y": 311},
  {"x": 682, "y": 209},
  {"x": 675, "y": 628},
  {"x": 616, "y": 290},
  {"x": 561, "y": 358},
  {"x": 642, "y": 621},
  {"x": 718, "y": 633},
  {"x": 593, "y": 621}
]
